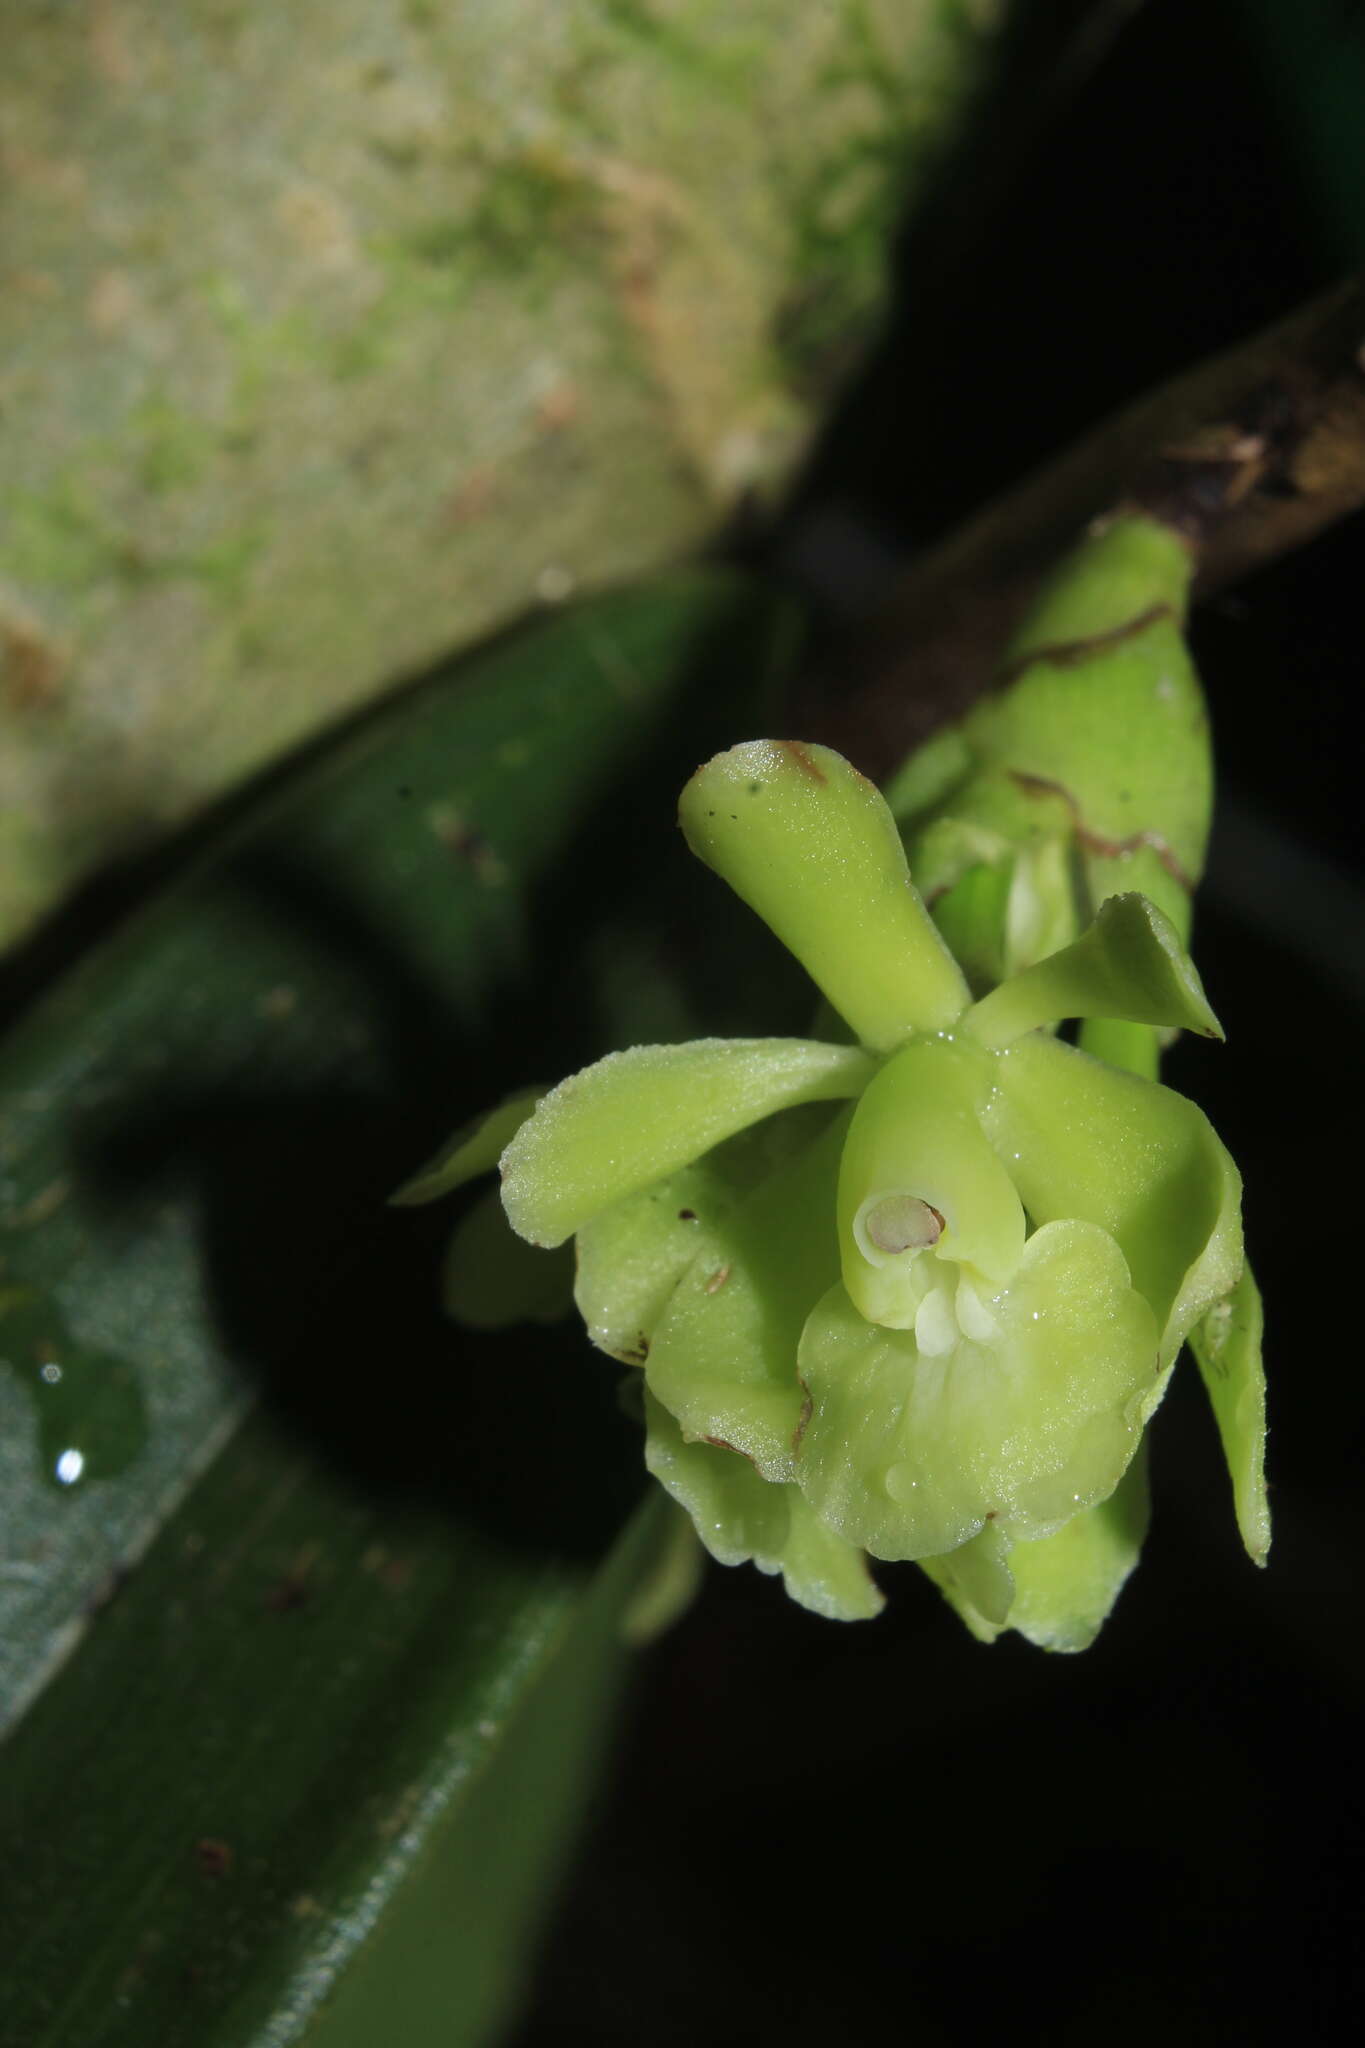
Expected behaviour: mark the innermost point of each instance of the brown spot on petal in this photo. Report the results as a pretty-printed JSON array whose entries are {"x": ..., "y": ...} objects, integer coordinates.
[
  {"x": 720, "y": 1443},
  {"x": 804, "y": 759}
]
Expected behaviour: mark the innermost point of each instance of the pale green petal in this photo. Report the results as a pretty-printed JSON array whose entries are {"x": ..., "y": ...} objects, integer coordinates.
[
  {"x": 812, "y": 847},
  {"x": 639, "y": 1115},
  {"x": 741, "y": 1516},
  {"x": 1081, "y": 1138},
  {"x": 916, "y": 1134},
  {"x": 929, "y": 775},
  {"x": 973, "y": 916},
  {"x": 1061, "y": 1587},
  {"x": 910, "y": 1455},
  {"x": 1227, "y": 1344},
  {"x": 723, "y": 1357},
  {"x": 1141, "y": 870},
  {"x": 1116, "y": 574},
  {"x": 1043, "y": 913},
  {"x": 1129, "y": 963},
  {"x": 1106, "y": 718},
  {"x": 491, "y": 1278},
  {"x": 976, "y": 1581},
  {"x": 946, "y": 850},
  {"x": 1066, "y": 1584},
  {"x": 1134, "y": 1047},
  {"x": 474, "y": 1149},
  {"x": 632, "y": 1256}
]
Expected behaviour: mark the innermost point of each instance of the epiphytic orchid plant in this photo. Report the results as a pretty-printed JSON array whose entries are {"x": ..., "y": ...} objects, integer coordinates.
[{"x": 914, "y": 1293}]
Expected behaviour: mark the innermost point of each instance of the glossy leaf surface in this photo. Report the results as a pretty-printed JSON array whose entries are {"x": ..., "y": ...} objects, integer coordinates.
[{"x": 267, "y": 1667}]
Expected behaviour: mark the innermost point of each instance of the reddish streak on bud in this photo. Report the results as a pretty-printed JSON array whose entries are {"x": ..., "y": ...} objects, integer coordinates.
[{"x": 804, "y": 759}]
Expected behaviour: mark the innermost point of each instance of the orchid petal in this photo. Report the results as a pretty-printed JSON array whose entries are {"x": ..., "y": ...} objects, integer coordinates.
[
  {"x": 723, "y": 1357},
  {"x": 1066, "y": 1584},
  {"x": 972, "y": 915},
  {"x": 1081, "y": 1138},
  {"x": 474, "y": 1149},
  {"x": 1134, "y": 1047},
  {"x": 1129, "y": 963},
  {"x": 1062, "y": 1586},
  {"x": 637, "y": 1116},
  {"x": 1227, "y": 1346},
  {"x": 810, "y": 845},
  {"x": 740, "y": 1515},
  {"x": 631, "y": 1257},
  {"x": 976, "y": 1581}
]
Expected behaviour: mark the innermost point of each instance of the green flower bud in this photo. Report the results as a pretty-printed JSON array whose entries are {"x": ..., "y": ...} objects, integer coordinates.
[{"x": 1087, "y": 772}]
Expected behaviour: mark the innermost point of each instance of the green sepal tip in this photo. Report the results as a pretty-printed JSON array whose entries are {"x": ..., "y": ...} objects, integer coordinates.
[{"x": 811, "y": 845}]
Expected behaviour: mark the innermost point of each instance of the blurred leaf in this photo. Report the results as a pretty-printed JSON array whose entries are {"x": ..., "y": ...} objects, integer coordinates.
[{"x": 270, "y": 1666}]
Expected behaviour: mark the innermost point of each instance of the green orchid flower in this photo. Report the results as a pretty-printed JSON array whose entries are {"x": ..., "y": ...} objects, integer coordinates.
[{"x": 912, "y": 1294}]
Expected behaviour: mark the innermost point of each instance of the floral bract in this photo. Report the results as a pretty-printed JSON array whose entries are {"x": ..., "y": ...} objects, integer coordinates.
[{"x": 915, "y": 1296}]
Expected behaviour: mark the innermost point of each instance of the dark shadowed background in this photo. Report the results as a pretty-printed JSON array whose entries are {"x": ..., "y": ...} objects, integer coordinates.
[{"x": 818, "y": 1833}]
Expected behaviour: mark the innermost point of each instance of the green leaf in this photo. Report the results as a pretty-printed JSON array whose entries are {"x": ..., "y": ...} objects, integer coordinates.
[
  {"x": 741, "y": 1516},
  {"x": 812, "y": 847},
  {"x": 1129, "y": 963},
  {"x": 637, "y": 1116},
  {"x": 1227, "y": 1345},
  {"x": 266, "y": 1668},
  {"x": 911, "y": 1453}
]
